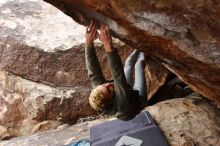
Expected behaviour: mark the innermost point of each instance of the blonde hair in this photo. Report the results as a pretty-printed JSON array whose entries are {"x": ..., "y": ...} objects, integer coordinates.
[{"x": 98, "y": 101}]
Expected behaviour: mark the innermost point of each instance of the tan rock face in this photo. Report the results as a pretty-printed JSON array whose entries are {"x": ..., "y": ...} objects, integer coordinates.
[
  {"x": 188, "y": 121},
  {"x": 25, "y": 104},
  {"x": 181, "y": 35}
]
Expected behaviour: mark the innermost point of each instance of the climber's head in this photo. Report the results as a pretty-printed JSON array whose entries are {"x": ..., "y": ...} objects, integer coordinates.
[{"x": 102, "y": 96}]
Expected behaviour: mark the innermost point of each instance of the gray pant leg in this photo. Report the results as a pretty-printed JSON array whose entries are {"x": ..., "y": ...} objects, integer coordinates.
[
  {"x": 140, "y": 82},
  {"x": 129, "y": 66}
]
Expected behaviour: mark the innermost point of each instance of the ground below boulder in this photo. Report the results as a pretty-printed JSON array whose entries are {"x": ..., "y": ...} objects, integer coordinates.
[{"x": 191, "y": 121}]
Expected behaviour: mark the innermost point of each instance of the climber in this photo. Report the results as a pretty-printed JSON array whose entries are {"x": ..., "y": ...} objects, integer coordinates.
[{"x": 122, "y": 97}]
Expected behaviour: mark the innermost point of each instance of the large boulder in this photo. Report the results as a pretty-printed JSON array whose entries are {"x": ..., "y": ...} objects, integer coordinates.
[
  {"x": 43, "y": 79},
  {"x": 26, "y": 105},
  {"x": 189, "y": 121},
  {"x": 183, "y": 35}
]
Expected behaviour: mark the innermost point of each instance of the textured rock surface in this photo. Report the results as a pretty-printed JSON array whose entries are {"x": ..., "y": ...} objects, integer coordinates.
[
  {"x": 43, "y": 80},
  {"x": 156, "y": 75},
  {"x": 182, "y": 35},
  {"x": 28, "y": 107},
  {"x": 192, "y": 121}
]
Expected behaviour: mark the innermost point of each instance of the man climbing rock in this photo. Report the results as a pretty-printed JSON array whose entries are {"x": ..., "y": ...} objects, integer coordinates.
[{"x": 123, "y": 96}]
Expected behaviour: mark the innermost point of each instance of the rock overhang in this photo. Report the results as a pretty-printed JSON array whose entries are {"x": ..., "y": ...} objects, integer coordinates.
[{"x": 180, "y": 35}]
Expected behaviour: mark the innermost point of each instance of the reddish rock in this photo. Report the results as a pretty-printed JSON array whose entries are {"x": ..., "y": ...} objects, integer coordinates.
[
  {"x": 182, "y": 35},
  {"x": 156, "y": 75}
]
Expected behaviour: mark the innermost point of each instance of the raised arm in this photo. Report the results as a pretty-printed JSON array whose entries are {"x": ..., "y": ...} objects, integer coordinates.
[
  {"x": 114, "y": 60},
  {"x": 121, "y": 87},
  {"x": 92, "y": 64}
]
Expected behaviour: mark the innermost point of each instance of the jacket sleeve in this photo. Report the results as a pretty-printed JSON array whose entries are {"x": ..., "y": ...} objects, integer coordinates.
[
  {"x": 93, "y": 67},
  {"x": 121, "y": 87}
]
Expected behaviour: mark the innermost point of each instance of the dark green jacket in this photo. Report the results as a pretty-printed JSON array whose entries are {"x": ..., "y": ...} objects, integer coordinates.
[{"x": 126, "y": 102}]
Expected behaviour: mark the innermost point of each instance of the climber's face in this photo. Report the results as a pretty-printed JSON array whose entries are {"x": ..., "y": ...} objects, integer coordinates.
[{"x": 107, "y": 89}]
